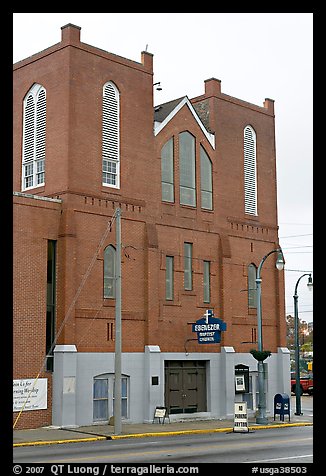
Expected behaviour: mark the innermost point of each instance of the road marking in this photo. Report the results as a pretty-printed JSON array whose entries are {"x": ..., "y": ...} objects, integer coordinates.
[
  {"x": 184, "y": 449},
  {"x": 279, "y": 459}
]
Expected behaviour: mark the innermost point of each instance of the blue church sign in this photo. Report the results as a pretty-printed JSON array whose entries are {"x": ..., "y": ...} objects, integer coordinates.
[{"x": 209, "y": 328}]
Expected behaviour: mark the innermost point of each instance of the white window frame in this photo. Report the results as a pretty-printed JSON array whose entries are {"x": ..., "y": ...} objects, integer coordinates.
[
  {"x": 110, "y": 378},
  {"x": 34, "y": 138},
  {"x": 111, "y": 135},
  {"x": 104, "y": 398}
]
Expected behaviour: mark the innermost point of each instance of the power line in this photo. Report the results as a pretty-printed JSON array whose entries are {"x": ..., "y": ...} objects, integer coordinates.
[
  {"x": 294, "y": 236},
  {"x": 299, "y": 252},
  {"x": 300, "y": 312},
  {"x": 301, "y": 305},
  {"x": 298, "y": 246},
  {"x": 179, "y": 255},
  {"x": 299, "y": 270},
  {"x": 288, "y": 223}
]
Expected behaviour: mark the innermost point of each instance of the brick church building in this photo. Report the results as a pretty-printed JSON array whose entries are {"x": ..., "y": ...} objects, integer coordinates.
[{"x": 195, "y": 181}]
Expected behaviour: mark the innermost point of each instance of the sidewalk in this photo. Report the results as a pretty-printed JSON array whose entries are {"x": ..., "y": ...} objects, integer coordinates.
[{"x": 53, "y": 435}]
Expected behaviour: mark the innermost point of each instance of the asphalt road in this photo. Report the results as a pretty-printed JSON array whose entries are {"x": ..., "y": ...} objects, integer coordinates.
[{"x": 288, "y": 445}]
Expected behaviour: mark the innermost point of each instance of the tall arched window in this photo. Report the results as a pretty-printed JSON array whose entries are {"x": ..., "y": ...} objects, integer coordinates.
[
  {"x": 206, "y": 183},
  {"x": 34, "y": 129},
  {"x": 110, "y": 136},
  {"x": 187, "y": 169},
  {"x": 109, "y": 272},
  {"x": 250, "y": 171},
  {"x": 167, "y": 172},
  {"x": 252, "y": 292}
]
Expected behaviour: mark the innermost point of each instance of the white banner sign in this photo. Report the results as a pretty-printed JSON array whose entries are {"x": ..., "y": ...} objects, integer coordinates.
[{"x": 29, "y": 394}]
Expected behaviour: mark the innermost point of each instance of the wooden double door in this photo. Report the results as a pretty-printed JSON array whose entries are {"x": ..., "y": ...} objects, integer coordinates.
[{"x": 185, "y": 386}]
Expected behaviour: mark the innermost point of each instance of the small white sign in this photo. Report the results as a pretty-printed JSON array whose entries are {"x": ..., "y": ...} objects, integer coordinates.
[
  {"x": 30, "y": 394},
  {"x": 240, "y": 417},
  {"x": 240, "y": 383},
  {"x": 160, "y": 412}
]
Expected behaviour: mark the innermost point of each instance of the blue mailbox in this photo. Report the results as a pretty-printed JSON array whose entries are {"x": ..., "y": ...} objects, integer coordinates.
[{"x": 282, "y": 405}]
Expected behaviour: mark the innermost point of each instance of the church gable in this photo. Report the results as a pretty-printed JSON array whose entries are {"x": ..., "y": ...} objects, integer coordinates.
[{"x": 165, "y": 112}]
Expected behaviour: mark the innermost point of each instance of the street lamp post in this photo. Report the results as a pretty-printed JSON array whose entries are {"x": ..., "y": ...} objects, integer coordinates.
[
  {"x": 297, "y": 344},
  {"x": 261, "y": 414}
]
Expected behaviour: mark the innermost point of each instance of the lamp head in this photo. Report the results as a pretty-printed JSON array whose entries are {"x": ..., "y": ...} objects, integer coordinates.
[
  {"x": 158, "y": 86},
  {"x": 310, "y": 283},
  {"x": 280, "y": 261}
]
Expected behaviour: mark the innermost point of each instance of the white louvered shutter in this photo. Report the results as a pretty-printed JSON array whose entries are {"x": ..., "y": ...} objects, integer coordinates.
[
  {"x": 250, "y": 173},
  {"x": 40, "y": 137},
  {"x": 28, "y": 142},
  {"x": 110, "y": 136},
  {"x": 34, "y": 130}
]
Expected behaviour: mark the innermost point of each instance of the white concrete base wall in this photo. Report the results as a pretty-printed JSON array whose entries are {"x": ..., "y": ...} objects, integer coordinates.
[{"x": 74, "y": 374}]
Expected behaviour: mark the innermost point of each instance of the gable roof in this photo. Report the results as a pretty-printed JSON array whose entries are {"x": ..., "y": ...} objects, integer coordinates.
[
  {"x": 163, "y": 114},
  {"x": 163, "y": 110}
]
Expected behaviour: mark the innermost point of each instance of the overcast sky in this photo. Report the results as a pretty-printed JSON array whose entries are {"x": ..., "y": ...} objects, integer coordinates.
[{"x": 255, "y": 55}]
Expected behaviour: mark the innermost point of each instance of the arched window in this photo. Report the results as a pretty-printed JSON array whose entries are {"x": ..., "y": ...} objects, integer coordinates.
[
  {"x": 252, "y": 292},
  {"x": 187, "y": 169},
  {"x": 206, "y": 183},
  {"x": 110, "y": 136},
  {"x": 103, "y": 396},
  {"x": 167, "y": 173},
  {"x": 109, "y": 272},
  {"x": 250, "y": 171},
  {"x": 34, "y": 128}
]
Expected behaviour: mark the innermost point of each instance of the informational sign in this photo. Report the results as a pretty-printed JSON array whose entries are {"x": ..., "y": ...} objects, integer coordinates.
[
  {"x": 240, "y": 417},
  {"x": 240, "y": 383},
  {"x": 209, "y": 328},
  {"x": 160, "y": 413},
  {"x": 30, "y": 394},
  {"x": 241, "y": 378}
]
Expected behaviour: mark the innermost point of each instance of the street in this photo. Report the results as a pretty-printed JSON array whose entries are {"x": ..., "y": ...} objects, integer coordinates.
[
  {"x": 290, "y": 445},
  {"x": 278, "y": 445}
]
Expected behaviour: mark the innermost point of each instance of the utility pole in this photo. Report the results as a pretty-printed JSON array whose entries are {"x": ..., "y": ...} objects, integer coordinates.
[{"x": 117, "y": 360}]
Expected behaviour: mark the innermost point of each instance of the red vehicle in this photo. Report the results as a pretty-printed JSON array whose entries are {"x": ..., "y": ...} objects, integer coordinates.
[{"x": 306, "y": 384}]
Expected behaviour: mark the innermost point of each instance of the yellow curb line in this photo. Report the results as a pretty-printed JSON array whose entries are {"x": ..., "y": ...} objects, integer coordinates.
[
  {"x": 166, "y": 433},
  {"x": 55, "y": 442},
  {"x": 264, "y": 427},
  {"x": 169, "y": 433},
  {"x": 214, "y": 430}
]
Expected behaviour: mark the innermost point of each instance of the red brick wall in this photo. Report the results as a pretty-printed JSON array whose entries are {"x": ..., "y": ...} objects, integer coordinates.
[
  {"x": 34, "y": 223},
  {"x": 73, "y": 75}
]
